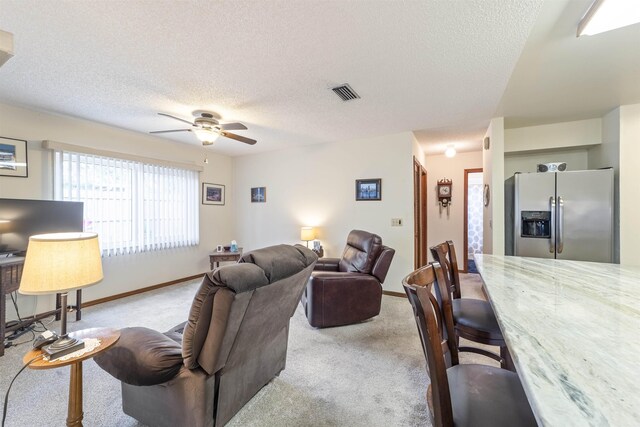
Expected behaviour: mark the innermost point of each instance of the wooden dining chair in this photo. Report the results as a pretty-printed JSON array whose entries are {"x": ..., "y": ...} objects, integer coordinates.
[
  {"x": 460, "y": 395},
  {"x": 473, "y": 319}
]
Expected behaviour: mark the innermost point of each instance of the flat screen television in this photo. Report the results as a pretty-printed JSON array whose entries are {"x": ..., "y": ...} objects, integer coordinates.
[{"x": 20, "y": 219}]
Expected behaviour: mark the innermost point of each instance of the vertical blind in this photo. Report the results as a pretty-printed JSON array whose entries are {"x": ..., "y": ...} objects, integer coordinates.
[{"x": 133, "y": 206}]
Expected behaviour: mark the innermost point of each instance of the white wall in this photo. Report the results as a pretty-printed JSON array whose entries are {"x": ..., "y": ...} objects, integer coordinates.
[
  {"x": 417, "y": 150},
  {"x": 606, "y": 155},
  {"x": 315, "y": 186},
  {"x": 126, "y": 272},
  {"x": 566, "y": 134},
  {"x": 576, "y": 159},
  {"x": 629, "y": 178},
  {"x": 440, "y": 226},
  {"x": 493, "y": 168}
]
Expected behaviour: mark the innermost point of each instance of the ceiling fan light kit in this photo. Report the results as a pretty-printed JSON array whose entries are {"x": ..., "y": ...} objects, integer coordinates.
[
  {"x": 206, "y": 136},
  {"x": 208, "y": 129}
]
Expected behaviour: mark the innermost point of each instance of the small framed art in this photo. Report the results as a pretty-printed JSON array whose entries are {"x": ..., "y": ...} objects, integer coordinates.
[
  {"x": 368, "y": 189},
  {"x": 258, "y": 194},
  {"x": 13, "y": 157},
  {"x": 212, "y": 194}
]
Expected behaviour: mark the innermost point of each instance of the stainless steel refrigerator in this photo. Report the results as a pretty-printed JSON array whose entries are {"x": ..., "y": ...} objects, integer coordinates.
[{"x": 563, "y": 215}]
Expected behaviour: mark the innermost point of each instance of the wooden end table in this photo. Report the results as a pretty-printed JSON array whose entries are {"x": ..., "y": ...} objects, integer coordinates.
[
  {"x": 107, "y": 336},
  {"x": 217, "y": 257}
]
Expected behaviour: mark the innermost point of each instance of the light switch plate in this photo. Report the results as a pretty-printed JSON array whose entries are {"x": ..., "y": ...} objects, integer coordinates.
[{"x": 396, "y": 222}]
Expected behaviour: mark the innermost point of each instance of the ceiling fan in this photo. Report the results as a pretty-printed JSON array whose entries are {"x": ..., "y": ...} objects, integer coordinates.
[{"x": 208, "y": 129}]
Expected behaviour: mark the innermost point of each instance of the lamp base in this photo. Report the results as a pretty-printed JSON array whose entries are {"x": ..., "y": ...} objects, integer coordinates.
[{"x": 62, "y": 346}]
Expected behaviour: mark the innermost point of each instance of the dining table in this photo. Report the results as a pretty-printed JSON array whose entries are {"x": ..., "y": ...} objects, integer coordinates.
[{"x": 573, "y": 331}]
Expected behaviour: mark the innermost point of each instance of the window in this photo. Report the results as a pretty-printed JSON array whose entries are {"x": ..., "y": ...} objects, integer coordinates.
[{"x": 132, "y": 205}]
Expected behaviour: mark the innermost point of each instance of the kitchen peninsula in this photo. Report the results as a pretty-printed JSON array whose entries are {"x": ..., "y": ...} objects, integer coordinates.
[{"x": 573, "y": 330}]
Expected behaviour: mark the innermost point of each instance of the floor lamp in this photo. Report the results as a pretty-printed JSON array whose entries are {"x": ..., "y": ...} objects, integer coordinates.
[{"x": 58, "y": 263}]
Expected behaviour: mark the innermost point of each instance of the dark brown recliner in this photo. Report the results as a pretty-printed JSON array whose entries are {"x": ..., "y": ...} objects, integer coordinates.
[
  {"x": 203, "y": 371},
  {"x": 347, "y": 290}
]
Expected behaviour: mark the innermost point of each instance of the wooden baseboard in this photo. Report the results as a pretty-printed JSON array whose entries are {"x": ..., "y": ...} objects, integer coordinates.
[
  {"x": 139, "y": 291},
  {"x": 394, "y": 294}
]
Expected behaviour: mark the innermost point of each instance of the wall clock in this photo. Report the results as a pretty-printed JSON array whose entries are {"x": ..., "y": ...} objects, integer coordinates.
[{"x": 444, "y": 192}]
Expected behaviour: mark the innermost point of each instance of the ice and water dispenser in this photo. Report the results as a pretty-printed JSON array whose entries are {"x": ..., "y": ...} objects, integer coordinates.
[{"x": 536, "y": 224}]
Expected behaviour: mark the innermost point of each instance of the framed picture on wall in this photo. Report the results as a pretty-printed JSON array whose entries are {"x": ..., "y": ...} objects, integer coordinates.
[
  {"x": 212, "y": 194},
  {"x": 368, "y": 189},
  {"x": 13, "y": 157},
  {"x": 258, "y": 194}
]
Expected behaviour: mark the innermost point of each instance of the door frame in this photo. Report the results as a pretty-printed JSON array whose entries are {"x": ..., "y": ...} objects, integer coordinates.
[
  {"x": 465, "y": 251},
  {"x": 420, "y": 250}
]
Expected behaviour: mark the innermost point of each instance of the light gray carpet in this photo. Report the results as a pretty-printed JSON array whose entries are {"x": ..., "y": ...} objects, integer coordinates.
[{"x": 370, "y": 374}]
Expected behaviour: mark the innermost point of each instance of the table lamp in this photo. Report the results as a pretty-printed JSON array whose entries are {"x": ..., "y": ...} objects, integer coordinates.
[
  {"x": 58, "y": 263},
  {"x": 307, "y": 234}
]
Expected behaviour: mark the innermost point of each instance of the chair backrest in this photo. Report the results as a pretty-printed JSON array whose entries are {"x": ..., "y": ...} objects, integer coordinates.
[
  {"x": 437, "y": 337},
  {"x": 241, "y": 308},
  {"x": 445, "y": 254},
  {"x": 361, "y": 252}
]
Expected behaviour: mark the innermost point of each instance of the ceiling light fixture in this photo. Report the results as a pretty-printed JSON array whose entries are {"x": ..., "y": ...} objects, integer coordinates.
[
  {"x": 450, "y": 151},
  {"x": 207, "y": 136},
  {"x": 606, "y": 15}
]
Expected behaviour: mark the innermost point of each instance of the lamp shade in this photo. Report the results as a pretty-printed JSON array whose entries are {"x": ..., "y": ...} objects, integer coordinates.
[
  {"x": 60, "y": 262},
  {"x": 307, "y": 233}
]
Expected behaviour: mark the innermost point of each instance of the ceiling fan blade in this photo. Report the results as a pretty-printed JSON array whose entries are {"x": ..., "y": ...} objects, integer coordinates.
[
  {"x": 177, "y": 118},
  {"x": 232, "y": 126},
  {"x": 238, "y": 138},
  {"x": 173, "y": 130}
]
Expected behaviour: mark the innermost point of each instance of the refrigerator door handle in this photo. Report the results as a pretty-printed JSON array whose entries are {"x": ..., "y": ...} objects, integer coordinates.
[
  {"x": 560, "y": 224},
  {"x": 552, "y": 239}
]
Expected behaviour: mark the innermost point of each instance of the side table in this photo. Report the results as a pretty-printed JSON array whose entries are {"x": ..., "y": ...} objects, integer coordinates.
[
  {"x": 217, "y": 257},
  {"x": 107, "y": 336}
]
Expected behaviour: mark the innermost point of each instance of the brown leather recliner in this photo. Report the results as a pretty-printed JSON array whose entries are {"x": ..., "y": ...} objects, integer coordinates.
[
  {"x": 203, "y": 371},
  {"x": 347, "y": 290}
]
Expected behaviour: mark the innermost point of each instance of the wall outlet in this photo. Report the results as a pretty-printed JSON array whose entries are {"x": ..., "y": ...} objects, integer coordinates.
[{"x": 396, "y": 222}]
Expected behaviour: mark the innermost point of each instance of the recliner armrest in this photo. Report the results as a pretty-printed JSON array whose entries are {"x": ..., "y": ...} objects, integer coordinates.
[
  {"x": 327, "y": 264},
  {"x": 142, "y": 357},
  {"x": 381, "y": 267}
]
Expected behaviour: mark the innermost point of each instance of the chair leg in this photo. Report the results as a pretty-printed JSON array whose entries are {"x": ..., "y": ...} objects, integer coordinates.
[{"x": 507, "y": 361}]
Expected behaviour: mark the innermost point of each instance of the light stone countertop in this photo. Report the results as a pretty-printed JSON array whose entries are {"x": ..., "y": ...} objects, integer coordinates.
[{"x": 573, "y": 329}]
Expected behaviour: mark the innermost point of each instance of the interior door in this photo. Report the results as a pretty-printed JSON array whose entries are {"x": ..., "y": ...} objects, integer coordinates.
[
  {"x": 585, "y": 215},
  {"x": 534, "y": 198}
]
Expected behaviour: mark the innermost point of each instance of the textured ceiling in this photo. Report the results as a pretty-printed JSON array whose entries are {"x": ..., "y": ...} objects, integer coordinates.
[
  {"x": 561, "y": 77},
  {"x": 417, "y": 65}
]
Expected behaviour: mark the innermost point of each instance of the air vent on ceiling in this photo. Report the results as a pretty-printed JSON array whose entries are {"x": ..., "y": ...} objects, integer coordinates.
[{"x": 345, "y": 92}]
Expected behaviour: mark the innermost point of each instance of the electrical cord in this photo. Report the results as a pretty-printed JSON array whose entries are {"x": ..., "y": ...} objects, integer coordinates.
[
  {"x": 14, "y": 299},
  {"x": 33, "y": 330},
  {"x": 6, "y": 396},
  {"x": 44, "y": 326},
  {"x": 16, "y": 344},
  {"x": 15, "y": 304}
]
